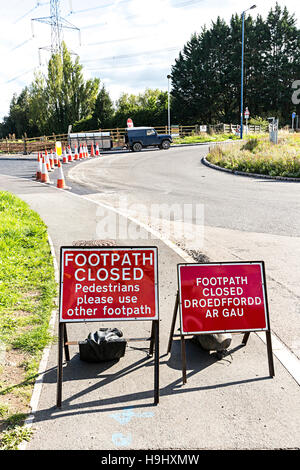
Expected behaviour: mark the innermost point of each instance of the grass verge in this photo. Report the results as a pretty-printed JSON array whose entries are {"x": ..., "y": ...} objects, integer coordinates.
[
  {"x": 202, "y": 138},
  {"x": 27, "y": 292},
  {"x": 260, "y": 156}
]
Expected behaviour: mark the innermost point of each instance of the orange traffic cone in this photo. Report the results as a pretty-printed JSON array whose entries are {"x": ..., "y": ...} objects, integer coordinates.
[
  {"x": 51, "y": 160},
  {"x": 80, "y": 153},
  {"x": 55, "y": 158},
  {"x": 44, "y": 175},
  {"x": 65, "y": 158},
  {"x": 97, "y": 150},
  {"x": 47, "y": 161},
  {"x": 92, "y": 150},
  {"x": 76, "y": 155},
  {"x": 39, "y": 168},
  {"x": 70, "y": 156},
  {"x": 60, "y": 178}
]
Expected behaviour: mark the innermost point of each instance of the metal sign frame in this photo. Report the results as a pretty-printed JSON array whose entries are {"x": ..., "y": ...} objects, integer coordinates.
[
  {"x": 64, "y": 343},
  {"x": 183, "y": 335}
]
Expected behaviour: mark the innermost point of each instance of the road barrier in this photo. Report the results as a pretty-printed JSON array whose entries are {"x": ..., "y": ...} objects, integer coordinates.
[
  {"x": 111, "y": 283},
  {"x": 128, "y": 282},
  {"x": 216, "y": 298}
]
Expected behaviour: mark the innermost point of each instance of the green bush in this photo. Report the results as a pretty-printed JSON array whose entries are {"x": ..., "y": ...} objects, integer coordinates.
[{"x": 260, "y": 156}]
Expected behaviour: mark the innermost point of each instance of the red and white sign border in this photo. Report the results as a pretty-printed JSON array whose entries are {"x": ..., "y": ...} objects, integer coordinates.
[
  {"x": 106, "y": 248},
  {"x": 263, "y": 277}
]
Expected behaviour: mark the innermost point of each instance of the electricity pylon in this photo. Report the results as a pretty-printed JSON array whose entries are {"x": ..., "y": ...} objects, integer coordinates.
[{"x": 57, "y": 23}]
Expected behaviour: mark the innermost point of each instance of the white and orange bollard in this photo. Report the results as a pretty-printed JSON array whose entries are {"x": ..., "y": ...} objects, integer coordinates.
[
  {"x": 65, "y": 158},
  {"x": 76, "y": 155},
  {"x": 92, "y": 150},
  {"x": 60, "y": 178},
  {"x": 44, "y": 175},
  {"x": 55, "y": 159},
  {"x": 70, "y": 156},
  {"x": 51, "y": 159}
]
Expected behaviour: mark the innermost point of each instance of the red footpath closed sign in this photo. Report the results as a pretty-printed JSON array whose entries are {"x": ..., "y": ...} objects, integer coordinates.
[
  {"x": 101, "y": 284},
  {"x": 222, "y": 297}
]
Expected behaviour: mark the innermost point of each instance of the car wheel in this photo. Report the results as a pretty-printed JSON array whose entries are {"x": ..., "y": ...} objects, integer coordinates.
[
  {"x": 165, "y": 145},
  {"x": 137, "y": 147}
]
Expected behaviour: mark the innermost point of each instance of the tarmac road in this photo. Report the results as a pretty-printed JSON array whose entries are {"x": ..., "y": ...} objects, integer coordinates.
[
  {"x": 177, "y": 175},
  {"x": 226, "y": 404}
]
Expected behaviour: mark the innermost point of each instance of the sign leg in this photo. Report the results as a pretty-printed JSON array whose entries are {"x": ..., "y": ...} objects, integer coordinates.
[
  {"x": 66, "y": 347},
  {"x": 156, "y": 363},
  {"x": 183, "y": 359},
  {"x": 60, "y": 364},
  {"x": 245, "y": 338},
  {"x": 270, "y": 353},
  {"x": 152, "y": 339},
  {"x": 173, "y": 323}
]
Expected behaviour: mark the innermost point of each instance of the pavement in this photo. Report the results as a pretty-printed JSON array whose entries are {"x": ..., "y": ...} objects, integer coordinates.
[{"x": 230, "y": 403}]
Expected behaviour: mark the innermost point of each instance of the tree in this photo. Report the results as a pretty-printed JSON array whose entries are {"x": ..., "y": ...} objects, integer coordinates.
[
  {"x": 38, "y": 104},
  {"x": 53, "y": 101},
  {"x": 282, "y": 60},
  {"x": 69, "y": 97},
  {"x": 17, "y": 122},
  {"x": 206, "y": 76},
  {"x": 103, "y": 111},
  {"x": 145, "y": 109}
]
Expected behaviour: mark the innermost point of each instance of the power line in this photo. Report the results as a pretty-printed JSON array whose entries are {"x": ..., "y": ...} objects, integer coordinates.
[
  {"x": 117, "y": 40},
  {"x": 94, "y": 25},
  {"x": 186, "y": 3},
  {"x": 19, "y": 76},
  {"x": 95, "y": 8},
  {"x": 26, "y": 14},
  {"x": 136, "y": 54},
  {"x": 21, "y": 44},
  {"x": 132, "y": 66}
]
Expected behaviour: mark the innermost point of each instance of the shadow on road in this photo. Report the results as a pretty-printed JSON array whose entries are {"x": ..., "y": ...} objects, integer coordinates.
[{"x": 76, "y": 370}]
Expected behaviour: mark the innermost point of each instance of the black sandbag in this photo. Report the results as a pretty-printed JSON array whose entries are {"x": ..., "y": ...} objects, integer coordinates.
[{"x": 106, "y": 344}]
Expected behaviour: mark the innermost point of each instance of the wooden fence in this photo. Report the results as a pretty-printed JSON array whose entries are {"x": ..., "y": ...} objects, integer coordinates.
[{"x": 38, "y": 144}]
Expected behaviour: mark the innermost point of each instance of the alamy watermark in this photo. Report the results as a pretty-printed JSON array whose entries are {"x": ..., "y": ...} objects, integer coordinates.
[{"x": 182, "y": 223}]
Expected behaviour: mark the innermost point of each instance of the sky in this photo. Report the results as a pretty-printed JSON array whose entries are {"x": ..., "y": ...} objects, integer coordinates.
[{"x": 130, "y": 45}]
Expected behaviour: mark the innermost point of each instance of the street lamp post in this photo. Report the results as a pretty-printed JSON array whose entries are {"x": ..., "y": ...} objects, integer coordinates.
[
  {"x": 242, "y": 68},
  {"x": 169, "y": 114}
]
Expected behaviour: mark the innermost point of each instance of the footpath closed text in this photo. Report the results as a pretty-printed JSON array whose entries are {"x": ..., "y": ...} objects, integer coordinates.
[{"x": 109, "y": 284}]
